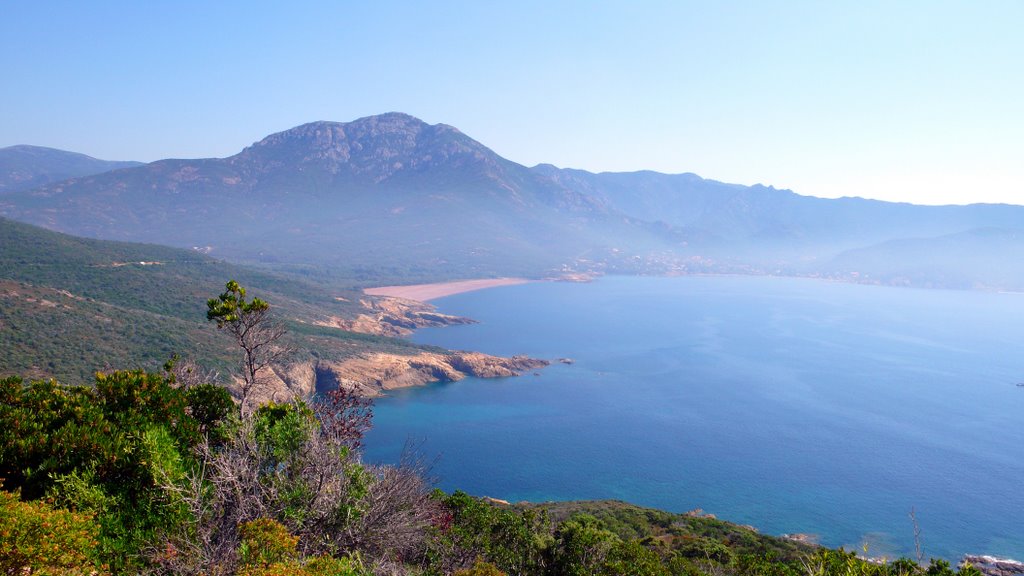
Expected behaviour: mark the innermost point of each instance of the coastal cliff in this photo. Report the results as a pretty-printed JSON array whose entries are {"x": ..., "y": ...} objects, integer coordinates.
[{"x": 374, "y": 374}]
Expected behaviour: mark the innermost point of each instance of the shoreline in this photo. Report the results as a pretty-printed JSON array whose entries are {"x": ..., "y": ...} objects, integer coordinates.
[{"x": 427, "y": 292}]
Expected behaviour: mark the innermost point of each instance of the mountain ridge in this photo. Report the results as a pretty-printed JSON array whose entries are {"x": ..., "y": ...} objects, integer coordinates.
[
  {"x": 24, "y": 166},
  {"x": 392, "y": 199}
]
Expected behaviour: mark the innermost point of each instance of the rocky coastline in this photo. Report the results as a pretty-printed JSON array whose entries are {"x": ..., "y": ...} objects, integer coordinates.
[
  {"x": 373, "y": 374},
  {"x": 993, "y": 566}
]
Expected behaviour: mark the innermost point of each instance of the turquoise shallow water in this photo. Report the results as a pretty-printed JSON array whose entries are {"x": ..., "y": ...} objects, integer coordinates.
[{"x": 791, "y": 405}]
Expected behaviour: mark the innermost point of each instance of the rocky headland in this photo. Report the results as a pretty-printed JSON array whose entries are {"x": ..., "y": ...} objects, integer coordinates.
[
  {"x": 394, "y": 317},
  {"x": 374, "y": 374}
]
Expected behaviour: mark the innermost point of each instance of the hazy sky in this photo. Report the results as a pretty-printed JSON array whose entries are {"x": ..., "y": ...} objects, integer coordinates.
[{"x": 919, "y": 101}]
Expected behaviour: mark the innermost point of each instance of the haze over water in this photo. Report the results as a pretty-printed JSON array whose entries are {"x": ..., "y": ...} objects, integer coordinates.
[{"x": 791, "y": 405}]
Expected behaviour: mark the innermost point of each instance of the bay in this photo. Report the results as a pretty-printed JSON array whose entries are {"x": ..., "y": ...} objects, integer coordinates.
[{"x": 792, "y": 405}]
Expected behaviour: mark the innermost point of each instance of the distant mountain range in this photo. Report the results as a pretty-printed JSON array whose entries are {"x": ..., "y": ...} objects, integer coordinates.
[
  {"x": 390, "y": 198},
  {"x": 26, "y": 167}
]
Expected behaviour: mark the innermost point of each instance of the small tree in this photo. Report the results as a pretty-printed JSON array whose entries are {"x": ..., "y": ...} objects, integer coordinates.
[{"x": 255, "y": 331}]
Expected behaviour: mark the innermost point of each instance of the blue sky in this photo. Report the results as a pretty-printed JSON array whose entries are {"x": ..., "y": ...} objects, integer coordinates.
[{"x": 919, "y": 101}]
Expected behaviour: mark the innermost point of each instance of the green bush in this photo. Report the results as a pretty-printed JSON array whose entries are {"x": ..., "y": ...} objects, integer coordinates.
[
  {"x": 480, "y": 568},
  {"x": 472, "y": 530},
  {"x": 266, "y": 542},
  {"x": 582, "y": 544},
  {"x": 106, "y": 450},
  {"x": 36, "y": 538},
  {"x": 319, "y": 566},
  {"x": 211, "y": 407}
]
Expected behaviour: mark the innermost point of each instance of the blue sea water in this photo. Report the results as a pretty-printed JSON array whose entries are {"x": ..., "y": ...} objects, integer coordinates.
[{"x": 787, "y": 404}]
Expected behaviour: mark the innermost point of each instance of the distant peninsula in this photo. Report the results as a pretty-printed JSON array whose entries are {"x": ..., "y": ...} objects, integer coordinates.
[{"x": 427, "y": 292}]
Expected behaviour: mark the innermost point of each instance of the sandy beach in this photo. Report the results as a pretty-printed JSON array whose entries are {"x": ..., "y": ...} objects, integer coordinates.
[{"x": 426, "y": 292}]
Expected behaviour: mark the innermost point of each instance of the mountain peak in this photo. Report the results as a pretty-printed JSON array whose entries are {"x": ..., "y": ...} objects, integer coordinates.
[
  {"x": 324, "y": 134},
  {"x": 382, "y": 145},
  {"x": 387, "y": 122}
]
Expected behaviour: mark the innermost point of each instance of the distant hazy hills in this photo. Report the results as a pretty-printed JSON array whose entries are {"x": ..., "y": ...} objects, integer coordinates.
[
  {"x": 391, "y": 198},
  {"x": 25, "y": 167}
]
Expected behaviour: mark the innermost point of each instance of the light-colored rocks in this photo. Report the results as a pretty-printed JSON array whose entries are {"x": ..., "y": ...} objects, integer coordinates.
[
  {"x": 394, "y": 317},
  {"x": 374, "y": 374}
]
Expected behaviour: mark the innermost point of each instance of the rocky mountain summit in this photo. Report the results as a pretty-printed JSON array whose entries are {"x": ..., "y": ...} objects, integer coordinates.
[
  {"x": 384, "y": 191},
  {"x": 377, "y": 148}
]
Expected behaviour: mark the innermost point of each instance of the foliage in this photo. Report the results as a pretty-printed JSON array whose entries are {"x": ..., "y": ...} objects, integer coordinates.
[
  {"x": 268, "y": 549},
  {"x": 582, "y": 544},
  {"x": 318, "y": 566},
  {"x": 39, "y": 539},
  {"x": 480, "y": 568},
  {"x": 280, "y": 464},
  {"x": 469, "y": 529},
  {"x": 633, "y": 559},
  {"x": 211, "y": 407},
  {"x": 691, "y": 536},
  {"x": 265, "y": 542},
  {"x": 826, "y": 562},
  {"x": 105, "y": 449},
  {"x": 702, "y": 547},
  {"x": 281, "y": 430}
]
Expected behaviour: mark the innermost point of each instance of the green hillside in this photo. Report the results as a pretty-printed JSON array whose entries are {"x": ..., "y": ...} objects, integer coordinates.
[{"x": 70, "y": 306}]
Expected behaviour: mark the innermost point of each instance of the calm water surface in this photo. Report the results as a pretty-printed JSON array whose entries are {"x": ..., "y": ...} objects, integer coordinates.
[{"x": 791, "y": 405}]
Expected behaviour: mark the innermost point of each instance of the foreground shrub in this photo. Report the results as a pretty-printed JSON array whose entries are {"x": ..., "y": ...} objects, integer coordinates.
[
  {"x": 319, "y": 566},
  {"x": 470, "y": 531},
  {"x": 266, "y": 542},
  {"x": 105, "y": 450},
  {"x": 480, "y": 568},
  {"x": 280, "y": 468},
  {"x": 36, "y": 538}
]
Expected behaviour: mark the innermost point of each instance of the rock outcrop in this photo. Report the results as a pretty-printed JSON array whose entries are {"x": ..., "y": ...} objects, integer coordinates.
[
  {"x": 394, "y": 317},
  {"x": 374, "y": 374},
  {"x": 992, "y": 566}
]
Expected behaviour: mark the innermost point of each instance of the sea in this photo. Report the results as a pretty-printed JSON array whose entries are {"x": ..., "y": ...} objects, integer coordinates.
[{"x": 790, "y": 405}]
